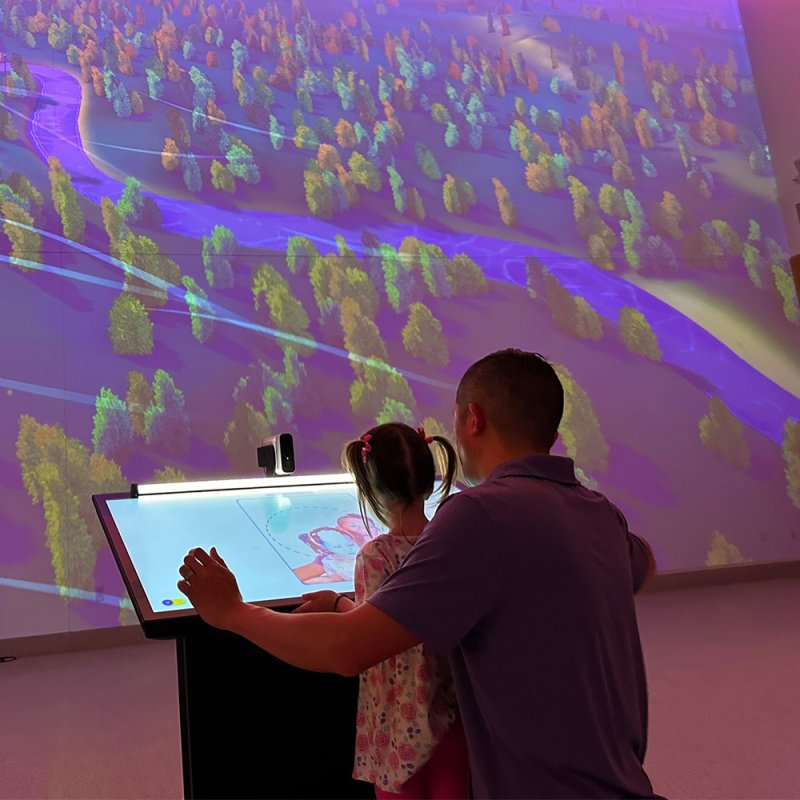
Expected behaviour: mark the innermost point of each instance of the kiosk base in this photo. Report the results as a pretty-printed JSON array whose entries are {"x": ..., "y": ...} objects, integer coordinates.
[{"x": 254, "y": 727}]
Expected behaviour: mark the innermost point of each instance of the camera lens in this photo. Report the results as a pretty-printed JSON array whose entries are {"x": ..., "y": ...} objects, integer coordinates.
[{"x": 287, "y": 452}]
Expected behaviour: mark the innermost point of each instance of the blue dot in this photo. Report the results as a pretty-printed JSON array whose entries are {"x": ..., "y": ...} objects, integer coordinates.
[{"x": 166, "y": 602}]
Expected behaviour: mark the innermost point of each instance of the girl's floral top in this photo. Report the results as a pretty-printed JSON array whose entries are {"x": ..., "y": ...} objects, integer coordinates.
[{"x": 407, "y": 703}]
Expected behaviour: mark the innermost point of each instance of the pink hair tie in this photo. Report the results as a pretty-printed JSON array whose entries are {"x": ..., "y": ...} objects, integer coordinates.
[
  {"x": 367, "y": 447},
  {"x": 421, "y": 432}
]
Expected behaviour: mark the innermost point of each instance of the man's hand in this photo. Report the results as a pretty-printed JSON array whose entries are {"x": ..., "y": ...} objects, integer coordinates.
[
  {"x": 317, "y": 601},
  {"x": 210, "y": 586}
]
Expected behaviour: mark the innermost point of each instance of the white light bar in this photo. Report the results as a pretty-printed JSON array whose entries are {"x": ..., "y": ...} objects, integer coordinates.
[{"x": 237, "y": 484}]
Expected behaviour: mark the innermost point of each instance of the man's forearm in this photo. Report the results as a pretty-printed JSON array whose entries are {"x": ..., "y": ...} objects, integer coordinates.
[{"x": 317, "y": 642}]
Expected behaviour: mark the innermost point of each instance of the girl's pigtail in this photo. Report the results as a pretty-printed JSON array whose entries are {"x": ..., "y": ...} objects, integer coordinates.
[
  {"x": 448, "y": 465},
  {"x": 355, "y": 460}
]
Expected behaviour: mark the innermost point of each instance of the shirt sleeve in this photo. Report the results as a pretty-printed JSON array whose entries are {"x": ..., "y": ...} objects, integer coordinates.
[
  {"x": 370, "y": 570},
  {"x": 639, "y": 552},
  {"x": 451, "y": 578},
  {"x": 640, "y": 559}
]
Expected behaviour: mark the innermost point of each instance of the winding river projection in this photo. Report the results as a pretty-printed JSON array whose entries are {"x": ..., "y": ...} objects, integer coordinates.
[{"x": 751, "y": 396}]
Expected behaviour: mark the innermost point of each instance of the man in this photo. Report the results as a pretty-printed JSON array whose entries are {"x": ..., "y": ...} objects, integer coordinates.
[{"x": 526, "y": 580}]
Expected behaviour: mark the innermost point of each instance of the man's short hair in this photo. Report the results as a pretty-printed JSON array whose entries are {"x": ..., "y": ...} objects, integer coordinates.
[{"x": 520, "y": 394}]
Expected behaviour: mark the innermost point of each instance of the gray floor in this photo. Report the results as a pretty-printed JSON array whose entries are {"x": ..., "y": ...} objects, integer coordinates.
[
  {"x": 91, "y": 725},
  {"x": 723, "y": 666}
]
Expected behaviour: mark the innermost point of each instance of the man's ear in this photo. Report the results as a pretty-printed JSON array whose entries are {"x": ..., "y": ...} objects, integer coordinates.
[
  {"x": 476, "y": 423},
  {"x": 555, "y": 439}
]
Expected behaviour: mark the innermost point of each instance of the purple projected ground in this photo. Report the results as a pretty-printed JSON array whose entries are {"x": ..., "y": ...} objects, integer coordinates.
[{"x": 754, "y": 398}]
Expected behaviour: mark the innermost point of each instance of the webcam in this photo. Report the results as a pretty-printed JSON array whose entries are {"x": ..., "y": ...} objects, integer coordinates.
[{"x": 276, "y": 455}]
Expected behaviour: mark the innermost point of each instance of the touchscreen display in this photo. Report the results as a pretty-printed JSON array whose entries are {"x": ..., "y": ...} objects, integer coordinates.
[{"x": 280, "y": 542}]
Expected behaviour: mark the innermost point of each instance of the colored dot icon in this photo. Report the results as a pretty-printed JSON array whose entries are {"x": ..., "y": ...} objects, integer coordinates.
[{"x": 175, "y": 601}]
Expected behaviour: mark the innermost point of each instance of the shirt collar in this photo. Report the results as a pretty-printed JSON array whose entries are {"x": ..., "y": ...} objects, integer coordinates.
[{"x": 545, "y": 467}]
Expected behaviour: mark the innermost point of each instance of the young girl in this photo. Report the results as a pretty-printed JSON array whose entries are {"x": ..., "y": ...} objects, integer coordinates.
[{"x": 409, "y": 742}]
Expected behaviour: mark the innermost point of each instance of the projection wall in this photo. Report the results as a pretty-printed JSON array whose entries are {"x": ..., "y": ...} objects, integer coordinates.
[{"x": 223, "y": 220}]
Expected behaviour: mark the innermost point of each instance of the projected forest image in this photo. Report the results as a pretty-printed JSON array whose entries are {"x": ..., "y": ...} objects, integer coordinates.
[{"x": 223, "y": 220}]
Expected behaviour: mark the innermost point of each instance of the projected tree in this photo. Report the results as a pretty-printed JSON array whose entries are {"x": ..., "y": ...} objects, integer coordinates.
[
  {"x": 722, "y": 433},
  {"x": 131, "y": 330},
  {"x": 637, "y": 334},
  {"x": 580, "y": 428},
  {"x": 791, "y": 456}
]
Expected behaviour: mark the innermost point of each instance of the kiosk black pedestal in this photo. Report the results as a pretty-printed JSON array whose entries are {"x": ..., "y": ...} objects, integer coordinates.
[
  {"x": 255, "y": 727},
  {"x": 251, "y": 725}
]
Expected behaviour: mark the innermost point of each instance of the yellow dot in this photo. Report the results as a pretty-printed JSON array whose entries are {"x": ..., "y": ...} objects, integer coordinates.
[{"x": 178, "y": 601}]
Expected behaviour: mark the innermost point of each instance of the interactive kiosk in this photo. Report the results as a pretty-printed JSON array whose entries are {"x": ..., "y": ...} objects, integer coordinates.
[{"x": 251, "y": 726}]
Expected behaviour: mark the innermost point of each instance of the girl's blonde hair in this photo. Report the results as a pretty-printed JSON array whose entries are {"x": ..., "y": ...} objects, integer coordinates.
[{"x": 394, "y": 464}]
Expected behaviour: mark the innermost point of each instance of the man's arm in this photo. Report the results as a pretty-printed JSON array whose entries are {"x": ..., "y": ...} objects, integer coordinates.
[
  {"x": 346, "y": 644},
  {"x": 643, "y": 563},
  {"x": 343, "y": 643}
]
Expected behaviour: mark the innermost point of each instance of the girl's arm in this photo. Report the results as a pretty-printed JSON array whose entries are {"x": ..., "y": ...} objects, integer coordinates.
[
  {"x": 343, "y": 603},
  {"x": 325, "y": 600}
]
